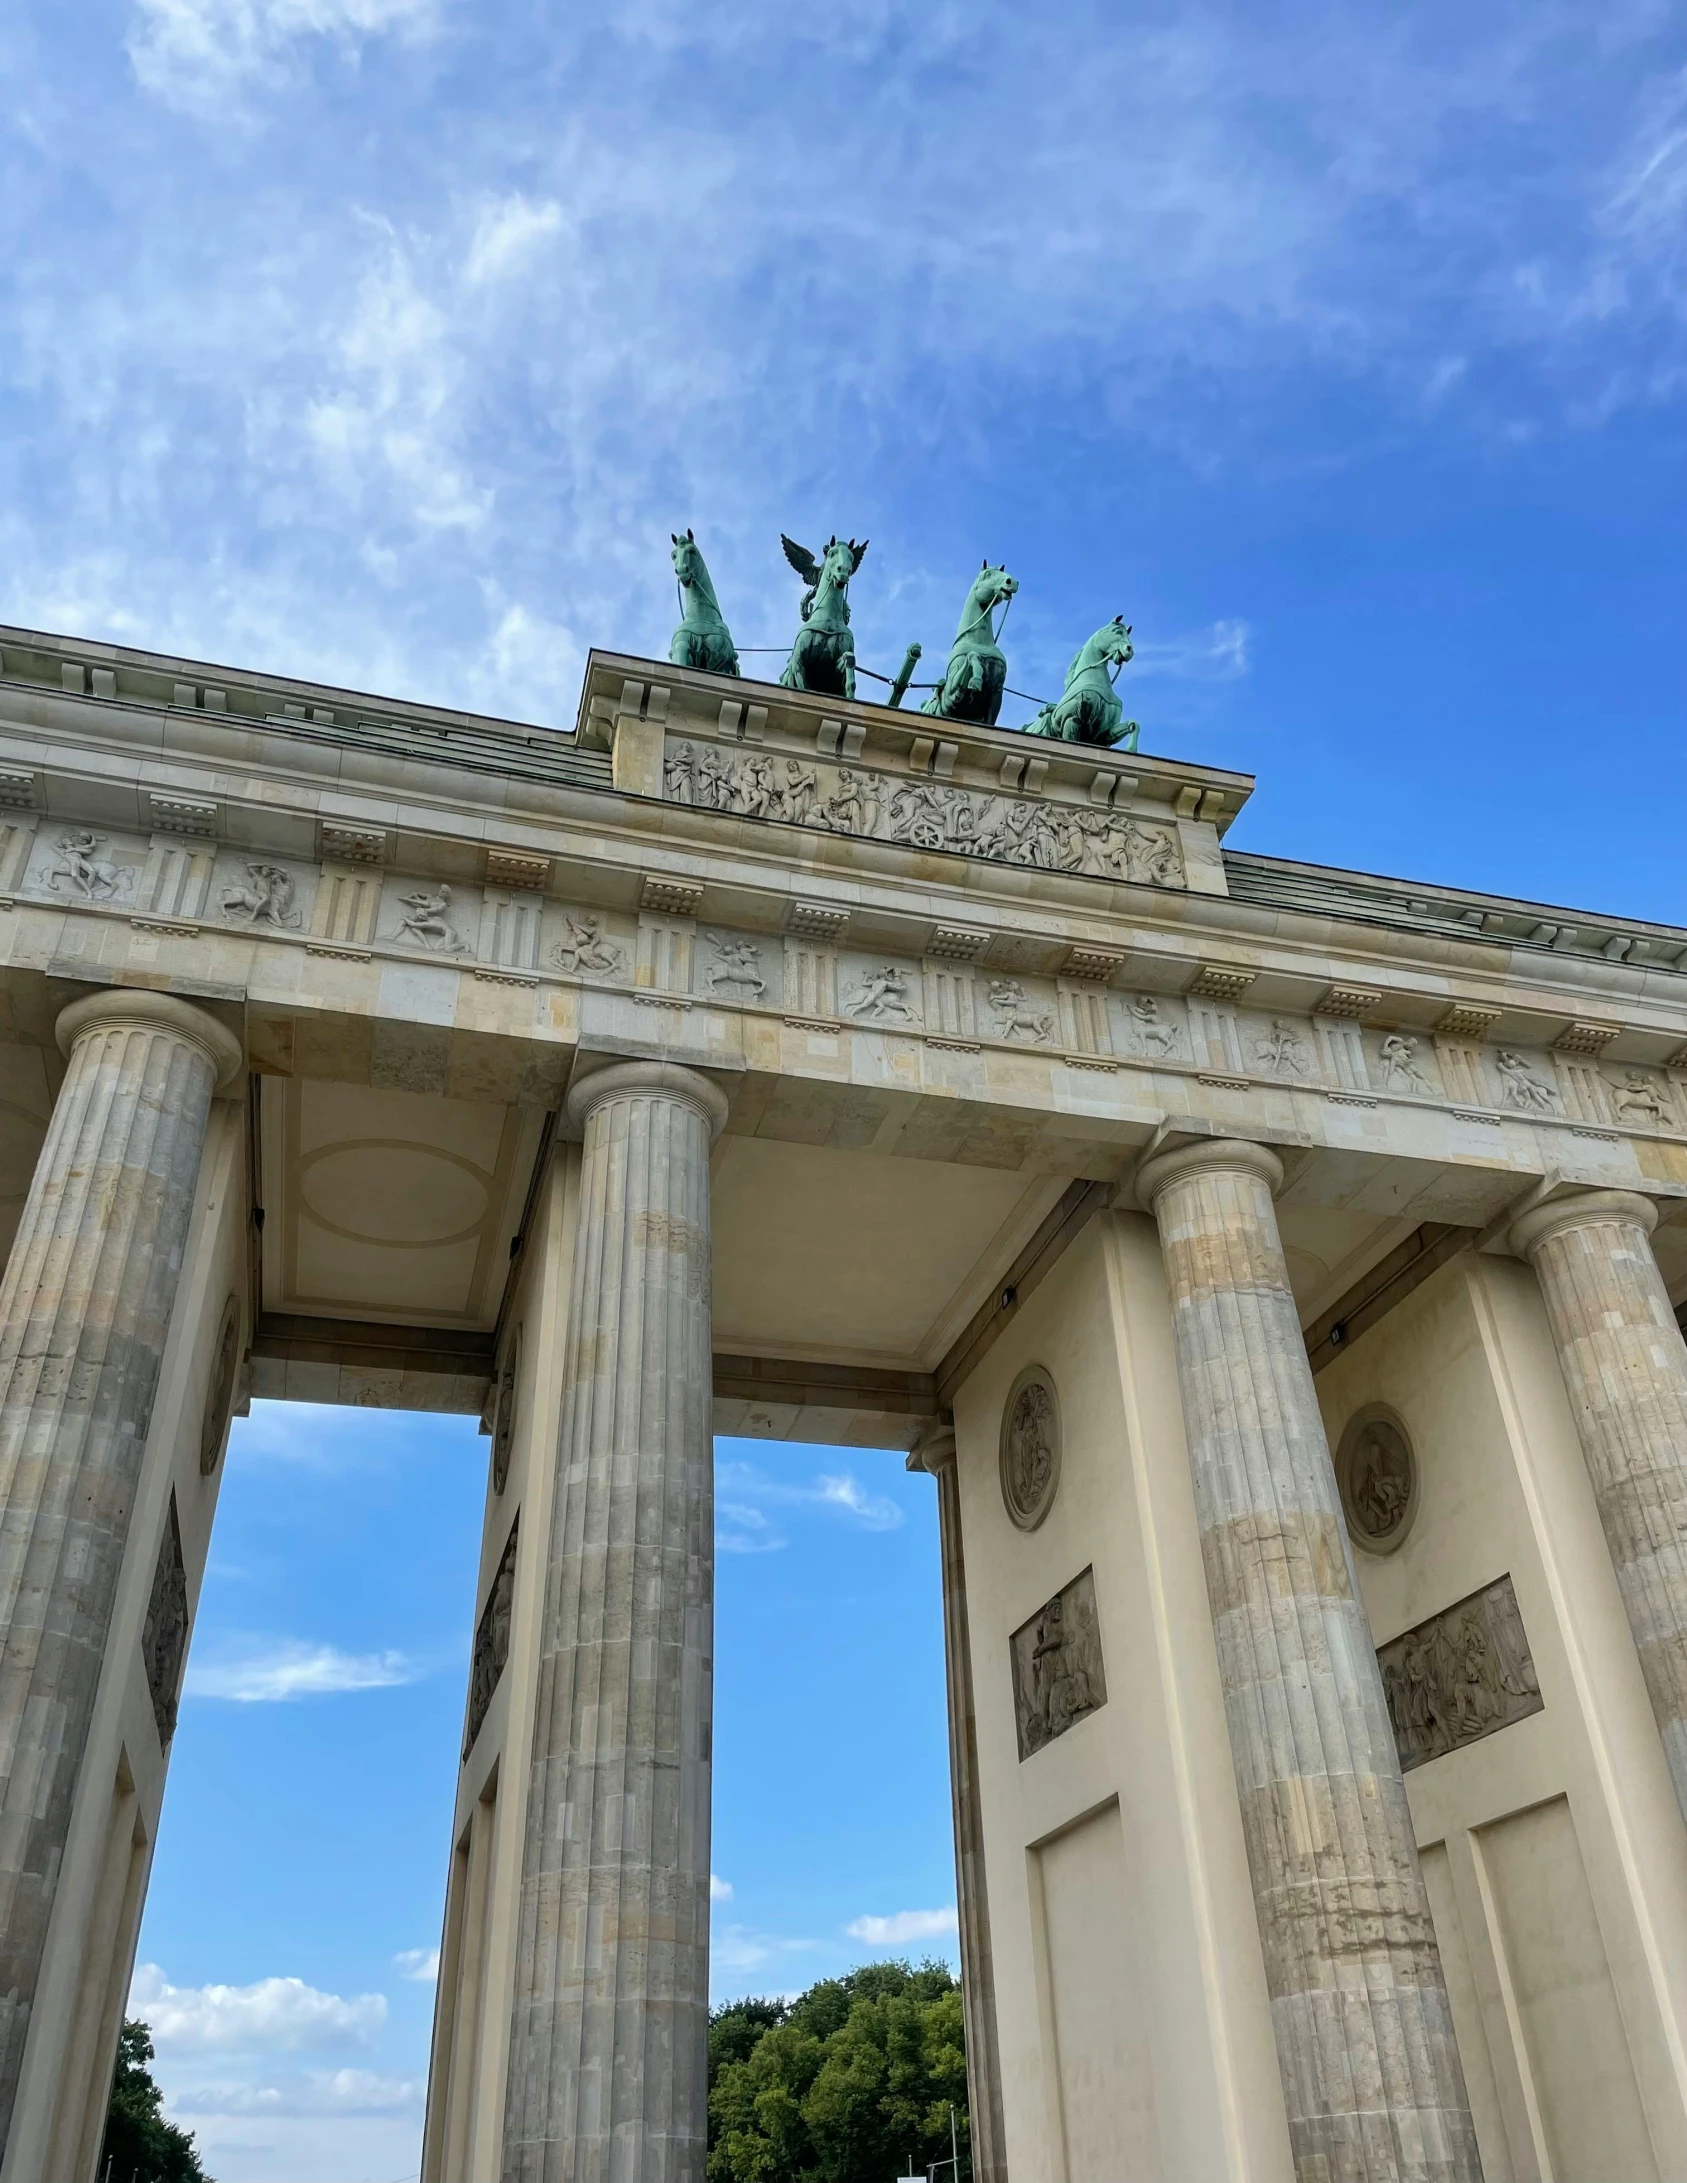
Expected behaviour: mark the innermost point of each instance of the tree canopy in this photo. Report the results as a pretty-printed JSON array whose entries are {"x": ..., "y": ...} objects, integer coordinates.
[
  {"x": 138, "y": 2141},
  {"x": 843, "y": 2085}
]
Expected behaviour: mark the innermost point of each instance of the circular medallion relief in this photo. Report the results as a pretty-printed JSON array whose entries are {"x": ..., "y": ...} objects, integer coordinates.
[
  {"x": 219, "y": 1395},
  {"x": 1030, "y": 1447},
  {"x": 1378, "y": 1476}
]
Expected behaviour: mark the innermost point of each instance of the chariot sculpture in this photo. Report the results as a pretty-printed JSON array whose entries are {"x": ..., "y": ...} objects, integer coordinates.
[
  {"x": 823, "y": 656},
  {"x": 977, "y": 670},
  {"x": 702, "y": 638}
]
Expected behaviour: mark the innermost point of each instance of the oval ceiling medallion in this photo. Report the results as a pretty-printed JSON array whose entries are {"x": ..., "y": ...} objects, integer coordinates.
[{"x": 395, "y": 1194}]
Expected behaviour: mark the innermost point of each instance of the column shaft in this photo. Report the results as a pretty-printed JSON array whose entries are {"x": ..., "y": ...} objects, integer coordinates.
[
  {"x": 1365, "y": 2041},
  {"x": 1625, "y": 1369},
  {"x": 84, "y": 1313},
  {"x": 608, "y": 2078},
  {"x": 936, "y": 1454}
]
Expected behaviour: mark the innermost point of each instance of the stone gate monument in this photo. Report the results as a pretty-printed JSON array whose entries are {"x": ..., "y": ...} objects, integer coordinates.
[{"x": 1275, "y": 1268}]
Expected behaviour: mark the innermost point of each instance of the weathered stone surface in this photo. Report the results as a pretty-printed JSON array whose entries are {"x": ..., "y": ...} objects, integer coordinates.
[
  {"x": 83, "y": 1317},
  {"x": 1625, "y": 1369},
  {"x": 608, "y": 2048},
  {"x": 936, "y": 1453},
  {"x": 1365, "y": 2041}
]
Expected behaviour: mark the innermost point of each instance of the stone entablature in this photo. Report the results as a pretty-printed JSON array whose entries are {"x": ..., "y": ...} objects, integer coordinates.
[{"x": 545, "y": 915}]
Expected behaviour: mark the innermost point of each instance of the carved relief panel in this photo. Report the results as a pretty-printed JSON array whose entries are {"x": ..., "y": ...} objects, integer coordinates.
[
  {"x": 1459, "y": 1676},
  {"x": 1058, "y": 1676},
  {"x": 1378, "y": 1476},
  {"x": 164, "y": 1633},
  {"x": 491, "y": 1641},
  {"x": 1030, "y": 1450}
]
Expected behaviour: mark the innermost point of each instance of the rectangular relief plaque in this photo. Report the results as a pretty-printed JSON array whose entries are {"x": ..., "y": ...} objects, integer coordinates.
[
  {"x": 1459, "y": 1676},
  {"x": 1057, "y": 1670}
]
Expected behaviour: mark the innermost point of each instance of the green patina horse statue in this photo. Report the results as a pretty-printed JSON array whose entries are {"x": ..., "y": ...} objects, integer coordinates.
[
  {"x": 1088, "y": 710},
  {"x": 702, "y": 638},
  {"x": 823, "y": 657},
  {"x": 977, "y": 672}
]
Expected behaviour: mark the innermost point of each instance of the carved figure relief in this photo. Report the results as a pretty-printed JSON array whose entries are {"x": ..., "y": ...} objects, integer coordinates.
[
  {"x": 1521, "y": 1088},
  {"x": 503, "y": 1414},
  {"x": 583, "y": 949},
  {"x": 1017, "y": 1015},
  {"x": 1400, "y": 1071},
  {"x": 164, "y": 1633},
  {"x": 926, "y": 814},
  {"x": 1459, "y": 1676},
  {"x": 882, "y": 996},
  {"x": 267, "y": 898},
  {"x": 219, "y": 1395},
  {"x": 1378, "y": 1476},
  {"x": 1282, "y": 1051},
  {"x": 423, "y": 916},
  {"x": 1639, "y": 1099},
  {"x": 1058, "y": 1676},
  {"x": 88, "y": 875},
  {"x": 736, "y": 969},
  {"x": 1154, "y": 1034},
  {"x": 491, "y": 1641},
  {"x": 1030, "y": 1450}
]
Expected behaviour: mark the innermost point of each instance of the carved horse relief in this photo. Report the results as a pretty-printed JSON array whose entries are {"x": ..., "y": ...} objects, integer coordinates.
[
  {"x": 702, "y": 638},
  {"x": 823, "y": 657}
]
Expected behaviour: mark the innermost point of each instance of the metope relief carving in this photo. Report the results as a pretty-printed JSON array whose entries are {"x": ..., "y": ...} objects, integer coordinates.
[
  {"x": 219, "y": 1395},
  {"x": 491, "y": 1641},
  {"x": 424, "y": 918},
  {"x": 1151, "y": 1031},
  {"x": 1030, "y": 1449},
  {"x": 1521, "y": 1089},
  {"x": 164, "y": 1633},
  {"x": 1058, "y": 1676},
  {"x": 1378, "y": 1476},
  {"x": 1459, "y": 1676},
  {"x": 1281, "y": 1051},
  {"x": 584, "y": 952},
  {"x": 80, "y": 871},
  {"x": 266, "y": 896},
  {"x": 883, "y": 996},
  {"x": 1017, "y": 1015},
  {"x": 1400, "y": 1072},
  {"x": 1641, "y": 1101},
  {"x": 924, "y": 814},
  {"x": 736, "y": 969}
]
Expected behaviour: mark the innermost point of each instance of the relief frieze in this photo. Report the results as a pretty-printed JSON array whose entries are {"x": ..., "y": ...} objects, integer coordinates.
[
  {"x": 1058, "y": 1676},
  {"x": 491, "y": 1641},
  {"x": 1459, "y": 1676},
  {"x": 923, "y": 814}
]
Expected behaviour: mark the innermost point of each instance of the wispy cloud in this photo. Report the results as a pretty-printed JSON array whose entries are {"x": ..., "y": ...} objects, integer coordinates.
[
  {"x": 312, "y": 2092},
  {"x": 902, "y": 1926},
  {"x": 507, "y": 235},
  {"x": 421, "y": 1964},
  {"x": 272, "y": 1674},
  {"x": 198, "y": 55},
  {"x": 736, "y": 1949},
  {"x": 274, "y": 2015},
  {"x": 1218, "y": 653},
  {"x": 743, "y": 1524},
  {"x": 720, "y": 1891}
]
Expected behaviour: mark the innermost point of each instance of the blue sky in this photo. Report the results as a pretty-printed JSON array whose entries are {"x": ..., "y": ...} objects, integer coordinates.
[{"x": 1341, "y": 348}]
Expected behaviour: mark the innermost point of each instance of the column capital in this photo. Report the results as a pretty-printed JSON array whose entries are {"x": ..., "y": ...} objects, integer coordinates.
[
  {"x": 934, "y": 1451},
  {"x": 1585, "y": 1209},
  {"x": 1211, "y": 1155},
  {"x": 658, "y": 1079},
  {"x": 128, "y": 1006}
]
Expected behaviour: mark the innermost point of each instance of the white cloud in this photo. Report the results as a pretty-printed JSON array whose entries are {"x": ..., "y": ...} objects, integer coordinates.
[
  {"x": 421, "y": 1964},
  {"x": 720, "y": 1891},
  {"x": 295, "y": 1669},
  {"x": 739, "y": 1948},
  {"x": 744, "y": 1527},
  {"x": 507, "y": 234},
  {"x": 313, "y": 2092},
  {"x": 1218, "y": 653},
  {"x": 199, "y": 54},
  {"x": 275, "y": 2014},
  {"x": 902, "y": 1926}
]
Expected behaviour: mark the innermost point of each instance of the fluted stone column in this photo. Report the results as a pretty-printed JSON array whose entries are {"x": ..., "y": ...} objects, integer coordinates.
[
  {"x": 608, "y": 2079},
  {"x": 936, "y": 1454},
  {"x": 84, "y": 1313},
  {"x": 1625, "y": 1367},
  {"x": 1365, "y": 2042}
]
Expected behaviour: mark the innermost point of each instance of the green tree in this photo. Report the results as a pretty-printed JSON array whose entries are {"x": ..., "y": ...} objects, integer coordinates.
[
  {"x": 138, "y": 2141},
  {"x": 842, "y": 2085}
]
